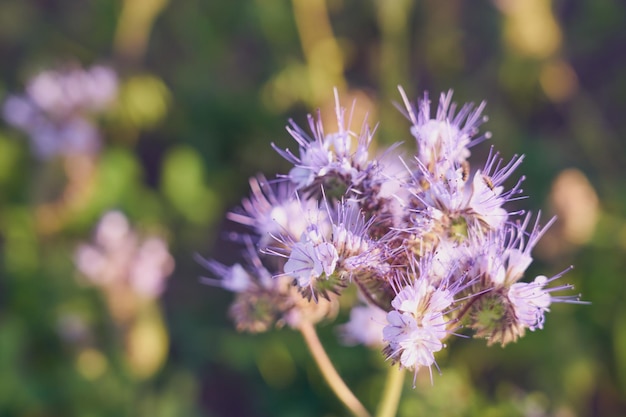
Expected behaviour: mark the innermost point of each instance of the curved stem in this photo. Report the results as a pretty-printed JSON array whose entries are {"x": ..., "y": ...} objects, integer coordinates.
[
  {"x": 393, "y": 390},
  {"x": 329, "y": 372}
]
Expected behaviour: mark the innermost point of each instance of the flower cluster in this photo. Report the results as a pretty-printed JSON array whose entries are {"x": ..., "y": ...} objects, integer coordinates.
[
  {"x": 130, "y": 271},
  {"x": 431, "y": 247},
  {"x": 120, "y": 261},
  {"x": 57, "y": 109}
]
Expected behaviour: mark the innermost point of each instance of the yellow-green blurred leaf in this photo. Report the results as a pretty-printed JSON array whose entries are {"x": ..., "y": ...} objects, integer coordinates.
[
  {"x": 147, "y": 343},
  {"x": 143, "y": 101},
  {"x": 20, "y": 241},
  {"x": 9, "y": 156},
  {"x": 184, "y": 185}
]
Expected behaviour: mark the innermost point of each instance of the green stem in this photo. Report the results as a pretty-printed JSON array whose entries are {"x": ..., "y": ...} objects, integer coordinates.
[
  {"x": 330, "y": 373},
  {"x": 393, "y": 391}
]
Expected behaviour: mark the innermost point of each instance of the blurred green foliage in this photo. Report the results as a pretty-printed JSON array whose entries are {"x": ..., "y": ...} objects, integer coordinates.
[{"x": 205, "y": 87}]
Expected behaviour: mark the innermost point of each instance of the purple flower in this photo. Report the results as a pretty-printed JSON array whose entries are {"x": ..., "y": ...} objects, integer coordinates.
[
  {"x": 308, "y": 261},
  {"x": 429, "y": 246},
  {"x": 416, "y": 327},
  {"x": 119, "y": 258},
  {"x": 365, "y": 326},
  {"x": 444, "y": 141},
  {"x": 273, "y": 209},
  {"x": 531, "y": 300},
  {"x": 58, "y": 108},
  {"x": 330, "y": 161},
  {"x": 261, "y": 299}
]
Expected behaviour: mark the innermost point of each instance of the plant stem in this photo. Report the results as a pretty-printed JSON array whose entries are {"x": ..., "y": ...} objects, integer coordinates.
[
  {"x": 330, "y": 373},
  {"x": 393, "y": 390}
]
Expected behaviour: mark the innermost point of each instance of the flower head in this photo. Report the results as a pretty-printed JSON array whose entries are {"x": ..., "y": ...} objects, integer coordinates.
[
  {"x": 531, "y": 300},
  {"x": 444, "y": 141},
  {"x": 262, "y": 300},
  {"x": 418, "y": 323},
  {"x": 365, "y": 326},
  {"x": 431, "y": 247},
  {"x": 273, "y": 209},
  {"x": 57, "y": 109},
  {"x": 325, "y": 259},
  {"x": 330, "y": 162},
  {"x": 127, "y": 266}
]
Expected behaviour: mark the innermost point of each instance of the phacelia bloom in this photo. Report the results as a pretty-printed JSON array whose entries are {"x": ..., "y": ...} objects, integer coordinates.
[
  {"x": 417, "y": 324},
  {"x": 507, "y": 252},
  {"x": 477, "y": 198},
  {"x": 58, "y": 108},
  {"x": 272, "y": 210},
  {"x": 508, "y": 306},
  {"x": 365, "y": 326},
  {"x": 263, "y": 301},
  {"x": 530, "y": 302},
  {"x": 503, "y": 315},
  {"x": 331, "y": 161},
  {"x": 430, "y": 244},
  {"x": 119, "y": 258},
  {"x": 327, "y": 259},
  {"x": 533, "y": 299},
  {"x": 309, "y": 260},
  {"x": 445, "y": 140}
]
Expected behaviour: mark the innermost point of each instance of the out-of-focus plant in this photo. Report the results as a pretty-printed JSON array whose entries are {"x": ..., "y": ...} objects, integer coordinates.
[
  {"x": 57, "y": 107},
  {"x": 131, "y": 271}
]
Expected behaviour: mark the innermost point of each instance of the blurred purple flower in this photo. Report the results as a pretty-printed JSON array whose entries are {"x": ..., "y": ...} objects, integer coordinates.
[
  {"x": 58, "y": 107},
  {"x": 119, "y": 258}
]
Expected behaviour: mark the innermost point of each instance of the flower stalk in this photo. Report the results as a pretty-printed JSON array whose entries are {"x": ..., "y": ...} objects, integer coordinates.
[
  {"x": 392, "y": 393},
  {"x": 330, "y": 374}
]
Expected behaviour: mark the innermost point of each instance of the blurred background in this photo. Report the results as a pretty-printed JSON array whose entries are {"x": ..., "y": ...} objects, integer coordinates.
[{"x": 130, "y": 127}]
